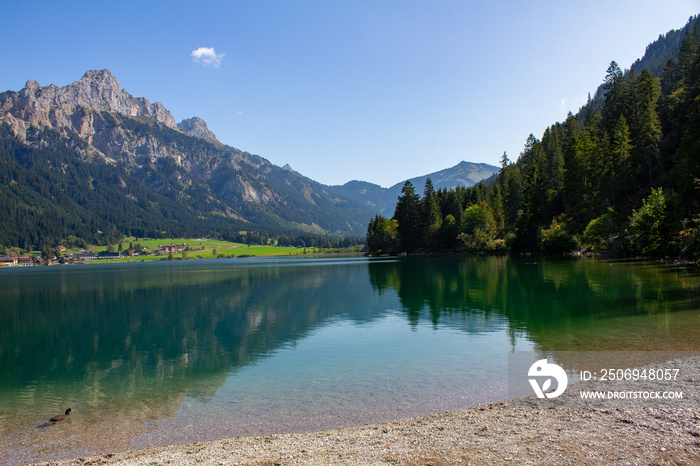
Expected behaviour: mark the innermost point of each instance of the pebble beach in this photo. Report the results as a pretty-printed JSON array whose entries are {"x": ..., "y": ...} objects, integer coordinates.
[{"x": 565, "y": 430}]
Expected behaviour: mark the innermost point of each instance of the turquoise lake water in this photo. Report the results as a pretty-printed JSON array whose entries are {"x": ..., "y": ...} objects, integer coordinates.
[{"x": 173, "y": 352}]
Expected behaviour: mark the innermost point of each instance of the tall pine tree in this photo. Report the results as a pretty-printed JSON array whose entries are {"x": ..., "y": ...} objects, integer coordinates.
[
  {"x": 431, "y": 215},
  {"x": 407, "y": 213}
]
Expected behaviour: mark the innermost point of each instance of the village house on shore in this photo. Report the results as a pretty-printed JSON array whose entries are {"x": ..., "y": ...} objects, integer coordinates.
[
  {"x": 172, "y": 249},
  {"x": 16, "y": 261}
]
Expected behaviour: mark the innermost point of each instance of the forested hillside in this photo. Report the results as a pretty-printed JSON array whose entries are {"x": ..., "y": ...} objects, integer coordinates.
[
  {"x": 50, "y": 196},
  {"x": 623, "y": 175}
]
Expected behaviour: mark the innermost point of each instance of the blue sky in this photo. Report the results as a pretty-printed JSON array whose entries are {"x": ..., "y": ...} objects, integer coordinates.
[{"x": 374, "y": 90}]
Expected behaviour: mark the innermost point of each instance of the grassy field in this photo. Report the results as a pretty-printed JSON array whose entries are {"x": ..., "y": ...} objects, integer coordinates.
[
  {"x": 208, "y": 249},
  {"x": 153, "y": 244}
]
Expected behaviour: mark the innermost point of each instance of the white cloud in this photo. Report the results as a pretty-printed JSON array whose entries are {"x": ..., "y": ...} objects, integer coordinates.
[{"x": 207, "y": 56}]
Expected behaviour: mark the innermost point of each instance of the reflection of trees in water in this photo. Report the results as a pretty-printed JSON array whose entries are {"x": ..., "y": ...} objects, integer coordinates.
[
  {"x": 559, "y": 303},
  {"x": 439, "y": 285}
]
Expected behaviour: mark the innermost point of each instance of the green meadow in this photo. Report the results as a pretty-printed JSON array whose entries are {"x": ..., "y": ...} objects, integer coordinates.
[
  {"x": 209, "y": 249},
  {"x": 203, "y": 248}
]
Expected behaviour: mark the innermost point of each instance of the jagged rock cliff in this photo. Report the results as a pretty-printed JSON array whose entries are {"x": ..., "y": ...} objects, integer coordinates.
[{"x": 61, "y": 108}]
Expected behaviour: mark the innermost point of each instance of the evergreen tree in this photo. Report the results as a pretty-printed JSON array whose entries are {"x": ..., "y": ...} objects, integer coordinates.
[
  {"x": 621, "y": 151},
  {"x": 510, "y": 180},
  {"x": 534, "y": 194},
  {"x": 574, "y": 184},
  {"x": 598, "y": 167},
  {"x": 407, "y": 214},
  {"x": 552, "y": 144},
  {"x": 615, "y": 92},
  {"x": 647, "y": 121},
  {"x": 431, "y": 215},
  {"x": 505, "y": 161}
]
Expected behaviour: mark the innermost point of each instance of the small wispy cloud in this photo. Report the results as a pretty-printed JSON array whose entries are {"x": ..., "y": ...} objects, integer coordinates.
[{"x": 207, "y": 56}]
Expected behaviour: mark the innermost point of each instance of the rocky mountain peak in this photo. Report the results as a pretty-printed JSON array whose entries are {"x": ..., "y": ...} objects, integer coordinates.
[
  {"x": 100, "y": 90},
  {"x": 99, "y": 74},
  {"x": 31, "y": 84},
  {"x": 54, "y": 107},
  {"x": 104, "y": 78},
  {"x": 197, "y": 127}
]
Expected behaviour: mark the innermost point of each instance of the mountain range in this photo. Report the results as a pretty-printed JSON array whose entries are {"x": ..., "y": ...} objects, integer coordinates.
[
  {"x": 383, "y": 200},
  {"x": 92, "y": 161}
]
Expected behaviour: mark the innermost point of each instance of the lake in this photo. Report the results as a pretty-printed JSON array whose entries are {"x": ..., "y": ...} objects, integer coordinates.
[{"x": 170, "y": 352}]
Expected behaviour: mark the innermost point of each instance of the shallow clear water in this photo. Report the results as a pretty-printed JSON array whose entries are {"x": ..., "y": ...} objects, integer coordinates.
[{"x": 161, "y": 353}]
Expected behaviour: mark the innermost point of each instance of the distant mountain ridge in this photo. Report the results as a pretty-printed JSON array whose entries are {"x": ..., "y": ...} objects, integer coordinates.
[{"x": 463, "y": 174}]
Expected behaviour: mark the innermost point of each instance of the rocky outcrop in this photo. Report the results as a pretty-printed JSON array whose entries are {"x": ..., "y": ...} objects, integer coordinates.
[{"x": 198, "y": 128}]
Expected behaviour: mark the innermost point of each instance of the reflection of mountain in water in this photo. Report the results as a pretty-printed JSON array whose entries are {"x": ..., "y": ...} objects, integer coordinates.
[
  {"x": 558, "y": 303},
  {"x": 185, "y": 327}
]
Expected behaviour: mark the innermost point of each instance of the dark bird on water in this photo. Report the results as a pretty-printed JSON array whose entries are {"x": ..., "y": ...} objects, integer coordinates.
[{"x": 61, "y": 417}]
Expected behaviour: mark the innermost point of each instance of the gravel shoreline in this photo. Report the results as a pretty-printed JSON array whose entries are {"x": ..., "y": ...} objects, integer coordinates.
[{"x": 565, "y": 430}]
